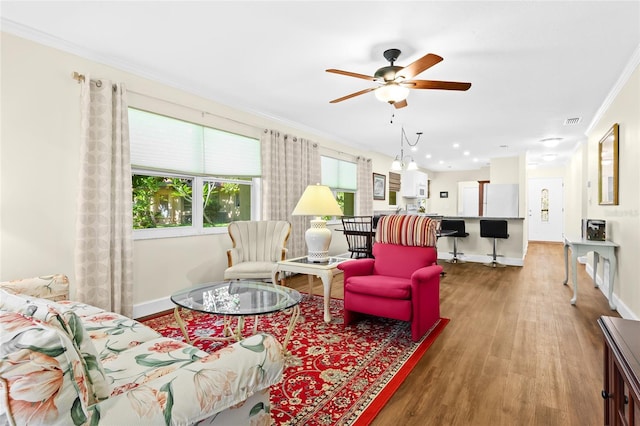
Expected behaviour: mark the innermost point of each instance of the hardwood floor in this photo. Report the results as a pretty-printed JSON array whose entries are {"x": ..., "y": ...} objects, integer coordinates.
[{"x": 516, "y": 352}]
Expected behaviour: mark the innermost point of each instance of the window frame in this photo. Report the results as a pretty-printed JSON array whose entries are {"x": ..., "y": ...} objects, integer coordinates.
[
  {"x": 197, "y": 226},
  {"x": 334, "y": 191},
  {"x": 198, "y": 118}
]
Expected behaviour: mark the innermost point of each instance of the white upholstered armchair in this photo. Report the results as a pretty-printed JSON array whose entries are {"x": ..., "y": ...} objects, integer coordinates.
[{"x": 257, "y": 247}]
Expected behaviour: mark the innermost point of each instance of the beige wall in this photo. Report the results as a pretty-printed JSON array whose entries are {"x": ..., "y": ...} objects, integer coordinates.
[
  {"x": 39, "y": 171},
  {"x": 505, "y": 170},
  {"x": 575, "y": 184},
  {"x": 448, "y": 181},
  {"x": 39, "y": 163},
  {"x": 512, "y": 170},
  {"x": 623, "y": 220},
  {"x": 549, "y": 172}
]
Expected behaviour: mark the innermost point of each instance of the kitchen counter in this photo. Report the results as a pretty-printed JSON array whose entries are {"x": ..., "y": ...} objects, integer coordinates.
[
  {"x": 475, "y": 248},
  {"x": 482, "y": 217}
]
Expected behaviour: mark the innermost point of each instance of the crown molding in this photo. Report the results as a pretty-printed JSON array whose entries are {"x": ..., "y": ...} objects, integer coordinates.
[
  {"x": 631, "y": 66},
  {"x": 43, "y": 38}
]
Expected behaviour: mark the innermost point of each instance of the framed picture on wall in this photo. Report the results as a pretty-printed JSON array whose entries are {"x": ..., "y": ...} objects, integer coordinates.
[
  {"x": 608, "y": 168},
  {"x": 444, "y": 194},
  {"x": 379, "y": 186}
]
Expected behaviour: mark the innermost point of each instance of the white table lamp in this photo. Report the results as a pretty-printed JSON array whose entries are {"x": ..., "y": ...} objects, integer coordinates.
[{"x": 317, "y": 200}]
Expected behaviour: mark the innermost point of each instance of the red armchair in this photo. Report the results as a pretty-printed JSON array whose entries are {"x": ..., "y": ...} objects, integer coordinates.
[{"x": 402, "y": 281}]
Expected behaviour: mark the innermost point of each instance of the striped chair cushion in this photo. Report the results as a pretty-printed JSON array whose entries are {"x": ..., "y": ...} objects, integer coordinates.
[{"x": 406, "y": 230}]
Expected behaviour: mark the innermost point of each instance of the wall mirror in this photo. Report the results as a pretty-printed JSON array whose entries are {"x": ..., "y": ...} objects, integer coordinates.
[{"x": 608, "y": 167}]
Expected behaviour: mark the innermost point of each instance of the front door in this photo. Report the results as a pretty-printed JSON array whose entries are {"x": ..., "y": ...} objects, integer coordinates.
[{"x": 545, "y": 209}]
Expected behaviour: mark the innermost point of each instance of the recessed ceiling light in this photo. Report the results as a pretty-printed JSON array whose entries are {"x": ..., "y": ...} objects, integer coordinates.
[
  {"x": 456, "y": 145},
  {"x": 475, "y": 160},
  {"x": 549, "y": 157},
  {"x": 466, "y": 153},
  {"x": 441, "y": 162},
  {"x": 414, "y": 148},
  {"x": 428, "y": 156},
  {"x": 551, "y": 142}
]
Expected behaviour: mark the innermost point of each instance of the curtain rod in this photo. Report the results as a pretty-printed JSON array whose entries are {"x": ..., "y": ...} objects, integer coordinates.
[
  {"x": 80, "y": 79},
  {"x": 354, "y": 156},
  {"x": 77, "y": 77}
]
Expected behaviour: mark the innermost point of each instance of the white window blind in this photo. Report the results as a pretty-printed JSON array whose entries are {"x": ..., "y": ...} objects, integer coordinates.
[
  {"x": 338, "y": 174},
  {"x": 228, "y": 154},
  {"x": 169, "y": 144}
]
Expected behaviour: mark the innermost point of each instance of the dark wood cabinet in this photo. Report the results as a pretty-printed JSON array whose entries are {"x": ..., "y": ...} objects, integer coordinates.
[{"x": 621, "y": 390}]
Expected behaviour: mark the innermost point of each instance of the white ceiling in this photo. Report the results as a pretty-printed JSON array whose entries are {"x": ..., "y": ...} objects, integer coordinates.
[{"x": 532, "y": 65}]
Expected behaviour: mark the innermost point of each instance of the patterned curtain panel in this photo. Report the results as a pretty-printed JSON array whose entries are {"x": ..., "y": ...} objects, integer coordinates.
[
  {"x": 104, "y": 246},
  {"x": 364, "y": 196},
  {"x": 289, "y": 164}
]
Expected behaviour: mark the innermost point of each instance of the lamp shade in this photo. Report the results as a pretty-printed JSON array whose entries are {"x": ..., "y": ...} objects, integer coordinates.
[
  {"x": 317, "y": 200},
  {"x": 396, "y": 165}
]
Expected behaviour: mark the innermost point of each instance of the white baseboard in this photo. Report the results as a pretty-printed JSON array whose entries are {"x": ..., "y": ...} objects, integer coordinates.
[
  {"x": 622, "y": 309},
  {"x": 152, "y": 307}
]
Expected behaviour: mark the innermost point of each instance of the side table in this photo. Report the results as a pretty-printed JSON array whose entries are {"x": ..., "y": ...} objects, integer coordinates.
[
  {"x": 580, "y": 247},
  {"x": 324, "y": 270}
]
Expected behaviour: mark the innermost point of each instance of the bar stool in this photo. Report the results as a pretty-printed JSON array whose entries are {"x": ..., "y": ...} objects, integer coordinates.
[
  {"x": 491, "y": 228},
  {"x": 457, "y": 226}
]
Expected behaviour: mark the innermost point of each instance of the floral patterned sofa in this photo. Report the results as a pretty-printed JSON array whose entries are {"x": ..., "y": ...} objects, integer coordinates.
[{"x": 66, "y": 363}]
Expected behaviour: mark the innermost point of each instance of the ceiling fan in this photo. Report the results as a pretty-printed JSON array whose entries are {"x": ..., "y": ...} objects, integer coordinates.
[{"x": 394, "y": 81}]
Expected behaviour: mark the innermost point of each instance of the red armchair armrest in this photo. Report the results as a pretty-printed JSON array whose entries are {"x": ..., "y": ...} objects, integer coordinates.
[
  {"x": 357, "y": 267},
  {"x": 427, "y": 273}
]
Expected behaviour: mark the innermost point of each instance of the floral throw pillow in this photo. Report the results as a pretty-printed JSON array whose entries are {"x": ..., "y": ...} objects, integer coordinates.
[
  {"x": 69, "y": 323},
  {"x": 52, "y": 287},
  {"x": 43, "y": 379}
]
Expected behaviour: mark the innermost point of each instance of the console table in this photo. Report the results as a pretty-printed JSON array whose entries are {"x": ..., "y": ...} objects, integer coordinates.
[
  {"x": 580, "y": 247},
  {"x": 621, "y": 390}
]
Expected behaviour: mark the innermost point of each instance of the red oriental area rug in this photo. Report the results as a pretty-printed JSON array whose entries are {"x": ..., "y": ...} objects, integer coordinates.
[{"x": 335, "y": 375}]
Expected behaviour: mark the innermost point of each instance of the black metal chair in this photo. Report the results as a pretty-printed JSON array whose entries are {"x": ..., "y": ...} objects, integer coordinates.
[
  {"x": 491, "y": 228},
  {"x": 458, "y": 226},
  {"x": 359, "y": 233}
]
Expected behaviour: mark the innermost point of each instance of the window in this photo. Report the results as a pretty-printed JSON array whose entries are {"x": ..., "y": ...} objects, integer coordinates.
[
  {"x": 341, "y": 177},
  {"x": 175, "y": 163},
  {"x": 394, "y": 187},
  {"x": 544, "y": 205},
  {"x": 161, "y": 201}
]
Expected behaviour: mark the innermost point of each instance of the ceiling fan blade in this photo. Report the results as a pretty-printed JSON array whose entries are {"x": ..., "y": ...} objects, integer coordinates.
[
  {"x": 400, "y": 104},
  {"x": 351, "y": 74},
  {"x": 361, "y": 92},
  {"x": 415, "y": 68},
  {"x": 434, "y": 84}
]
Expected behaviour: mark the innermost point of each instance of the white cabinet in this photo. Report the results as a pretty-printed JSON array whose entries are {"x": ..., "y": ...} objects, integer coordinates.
[{"x": 414, "y": 184}]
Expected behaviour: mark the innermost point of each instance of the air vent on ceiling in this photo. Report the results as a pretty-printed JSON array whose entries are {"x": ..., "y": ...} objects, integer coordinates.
[{"x": 572, "y": 121}]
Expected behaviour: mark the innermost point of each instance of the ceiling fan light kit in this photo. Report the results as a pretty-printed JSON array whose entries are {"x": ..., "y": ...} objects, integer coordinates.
[
  {"x": 394, "y": 82},
  {"x": 391, "y": 93}
]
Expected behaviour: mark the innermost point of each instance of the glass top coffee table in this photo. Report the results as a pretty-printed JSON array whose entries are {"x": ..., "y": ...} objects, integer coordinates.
[{"x": 234, "y": 300}]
